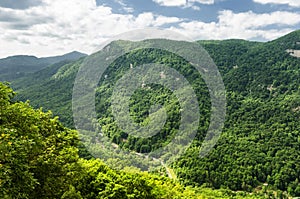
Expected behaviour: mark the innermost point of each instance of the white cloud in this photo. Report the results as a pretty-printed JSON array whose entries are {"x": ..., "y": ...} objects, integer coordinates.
[
  {"x": 128, "y": 9},
  {"x": 246, "y": 25},
  {"x": 161, "y": 20},
  {"x": 203, "y": 1},
  {"x": 253, "y": 20},
  {"x": 183, "y": 3},
  {"x": 171, "y": 2},
  {"x": 56, "y": 27},
  {"x": 293, "y": 3},
  {"x": 70, "y": 25},
  {"x": 195, "y": 8},
  {"x": 124, "y": 6}
]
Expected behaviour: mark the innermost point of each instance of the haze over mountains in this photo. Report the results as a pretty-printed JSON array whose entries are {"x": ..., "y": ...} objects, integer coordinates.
[
  {"x": 20, "y": 65},
  {"x": 259, "y": 149}
]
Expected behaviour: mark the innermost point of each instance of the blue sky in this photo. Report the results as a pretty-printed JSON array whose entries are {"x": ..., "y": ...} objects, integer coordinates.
[{"x": 51, "y": 27}]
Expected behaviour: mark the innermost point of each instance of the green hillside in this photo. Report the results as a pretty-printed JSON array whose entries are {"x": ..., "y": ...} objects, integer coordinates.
[
  {"x": 39, "y": 159},
  {"x": 15, "y": 67},
  {"x": 259, "y": 148}
]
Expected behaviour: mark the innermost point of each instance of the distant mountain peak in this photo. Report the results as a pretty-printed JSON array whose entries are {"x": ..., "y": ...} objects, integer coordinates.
[{"x": 19, "y": 65}]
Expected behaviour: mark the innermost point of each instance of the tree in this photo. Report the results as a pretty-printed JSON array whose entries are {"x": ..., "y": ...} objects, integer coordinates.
[{"x": 37, "y": 155}]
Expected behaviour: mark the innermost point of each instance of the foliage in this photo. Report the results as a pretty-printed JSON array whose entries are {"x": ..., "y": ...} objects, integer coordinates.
[
  {"x": 260, "y": 141},
  {"x": 145, "y": 97},
  {"x": 37, "y": 154},
  {"x": 39, "y": 160}
]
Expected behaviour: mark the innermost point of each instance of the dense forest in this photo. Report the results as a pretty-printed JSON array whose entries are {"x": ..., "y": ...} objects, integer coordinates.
[
  {"x": 258, "y": 151},
  {"x": 39, "y": 159}
]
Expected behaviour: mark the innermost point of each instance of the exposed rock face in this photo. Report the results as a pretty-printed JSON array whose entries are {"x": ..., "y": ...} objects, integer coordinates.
[{"x": 294, "y": 53}]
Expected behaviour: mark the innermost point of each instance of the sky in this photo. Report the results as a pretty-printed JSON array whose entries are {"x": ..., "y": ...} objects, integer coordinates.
[{"x": 54, "y": 27}]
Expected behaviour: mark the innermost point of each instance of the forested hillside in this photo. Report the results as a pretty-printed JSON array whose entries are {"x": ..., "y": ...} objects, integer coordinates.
[
  {"x": 15, "y": 67},
  {"x": 259, "y": 148},
  {"x": 39, "y": 159}
]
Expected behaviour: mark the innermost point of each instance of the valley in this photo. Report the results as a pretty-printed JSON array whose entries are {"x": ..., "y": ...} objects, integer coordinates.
[{"x": 256, "y": 156}]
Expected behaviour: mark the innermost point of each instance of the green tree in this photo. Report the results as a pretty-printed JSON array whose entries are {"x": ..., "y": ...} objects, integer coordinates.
[{"x": 37, "y": 155}]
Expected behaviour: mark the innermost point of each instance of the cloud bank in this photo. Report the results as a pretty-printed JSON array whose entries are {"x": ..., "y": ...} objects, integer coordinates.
[
  {"x": 53, "y": 27},
  {"x": 292, "y": 3}
]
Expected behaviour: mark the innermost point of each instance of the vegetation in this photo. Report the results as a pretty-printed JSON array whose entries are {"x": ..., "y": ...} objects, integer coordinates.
[
  {"x": 259, "y": 149},
  {"x": 146, "y": 96},
  {"x": 12, "y": 68},
  {"x": 39, "y": 159},
  {"x": 37, "y": 154}
]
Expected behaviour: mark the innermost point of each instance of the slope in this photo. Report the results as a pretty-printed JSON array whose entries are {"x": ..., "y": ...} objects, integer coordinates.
[
  {"x": 39, "y": 159},
  {"x": 14, "y": 67},
  {"x": 260, "y": 141}
]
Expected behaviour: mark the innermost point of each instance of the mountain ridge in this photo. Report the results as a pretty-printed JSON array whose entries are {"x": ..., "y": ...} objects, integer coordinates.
[
  {"x": 17, "y": 66},
  {"x": 260, "y": 141}
]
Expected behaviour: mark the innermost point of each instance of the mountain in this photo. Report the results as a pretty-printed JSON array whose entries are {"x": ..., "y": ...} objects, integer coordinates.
[
  {"x": 39, "y": 159},
  {"x": 259, "y": 147},
  {"x": 20, "y": 65},
  {"x": 72, "y": 56}
]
